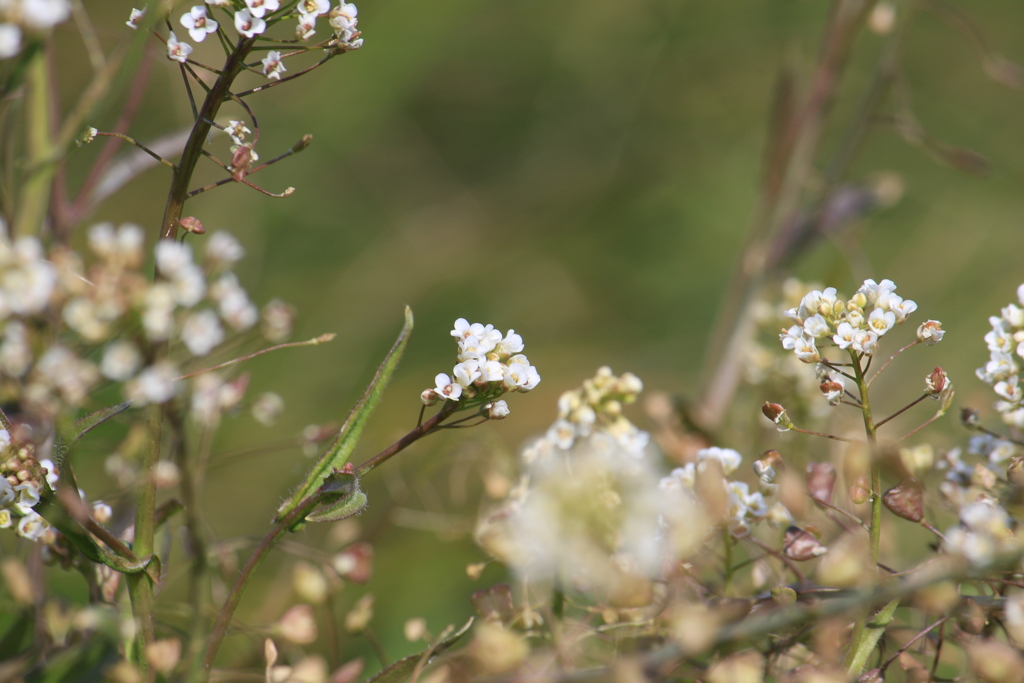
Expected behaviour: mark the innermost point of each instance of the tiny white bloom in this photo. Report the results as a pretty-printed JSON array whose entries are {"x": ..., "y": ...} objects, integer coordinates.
[
  {"x": 306, "y": 27},
  {"x": 816, "y": 326},
  {"x": 865, "y": 341},
  {"x": 273, "y": 67},
  {"x": 881, "y": 321},
  {"x": 28, "y": 497},
  {"x": 466, "y": 373},
  {"x": 223, "y": 248},
  {"x": 249, "y": 25},
  {"x": 259, "y": 8},
  {"x": 197, "y": 22},
  {"x": 510, "y": 345},
  {"x": 201, "y": 332},
  {"x": 155, "y": 384},
  {"x": 446, "y": 388},
  {"x": 790, "y": 337},
  {"x": 313, "y": 7},
  {"x": 806, "y": 350},
  {"x": 135, "y": 17},
  {"x": 729, "y": 459},
  {"x": 44, "y": 14},
  {"x": 177, "y": 50},
  {"x": 32, "y": 526},
  {"x": 498, "y": 410}
]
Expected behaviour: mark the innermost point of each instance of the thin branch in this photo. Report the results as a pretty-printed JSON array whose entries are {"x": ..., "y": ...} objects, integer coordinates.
[
  {"x": 309, "y": 342},
  {"x": 279, "y": 81},
  {"x": 138, "y": 144},
  {"x": 841, "y": 511},
  {"x": 827, "y": 436},
  {"x": 901, "y": 410},
  {"x": 933, "y": 418},
  {"x": 884, "y": 366},
  {"x": 906, "y": 645}
]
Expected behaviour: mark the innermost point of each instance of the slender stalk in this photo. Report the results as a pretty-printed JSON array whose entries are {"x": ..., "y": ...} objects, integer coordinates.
[
  {"x": 412, "y": 437},
  {"x": 727, "y": 543},
  {"x": 902, "y": 410},
  {"x": 193, "y": 148}
]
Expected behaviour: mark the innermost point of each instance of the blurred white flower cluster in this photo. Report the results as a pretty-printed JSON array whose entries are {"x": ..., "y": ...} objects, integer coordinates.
[
  {"x": 20, "y": 19},
  {"x": 489, "y": 364},
  {"x": 254, "y": 19},
  {"x": 112, "y": 312},
  {"x": 741, "y": 507},
  {"x": 983, "y": 533},
  {"x": 856, "y": 324},
  {"x": 588, "y": 509},
  {"x": 1006, "y": 350}
]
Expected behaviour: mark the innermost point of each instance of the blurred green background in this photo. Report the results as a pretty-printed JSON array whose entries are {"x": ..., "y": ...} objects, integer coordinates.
[{"x": 583, "y": 172}]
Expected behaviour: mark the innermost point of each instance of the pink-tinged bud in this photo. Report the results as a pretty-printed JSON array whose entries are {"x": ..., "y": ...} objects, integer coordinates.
[
  {"x": 193, "y": 225},
  {"x": 821, "y": 481},
  {"x": 768, "y": 466},
  {"x": 906, "y": 500},
  {"x": 833, "y": 391},
  {"x": 801, "y": 545},
  {"x": 241, "y": 159},
  {"x": 777, "y": 414},
  {"x": 935, "y": 382},
  {"x": 429, "y": 397},
  {"x": 497, "y": 410},
  {"x": 930, "y": 332},
  {"x": 860, "y": 490}
]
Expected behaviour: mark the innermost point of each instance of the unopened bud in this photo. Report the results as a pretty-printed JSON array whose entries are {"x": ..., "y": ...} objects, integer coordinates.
[
  {"x": 969, "y": 418},
  {"x": 860, "y": 490},
  {"x": 935, "y": 383},
  {"x": 768, "y": 466},
  {"x": 971, "y": 618},
  {"x": 833, "y": 391},
  {"x": 906, "y": 500},
  {"x": 983, "y": 477},
  {"x": 193, "y": 225},
  {"x": 930, "y": 332},
  {"x": 88, "y": 136},
  {"x": 784, "y": 595},
  {"x": 302, "y": 144},
  {"x": 101, "y": 512},
  {"x": 497, "y": 410},
  {"x": 801, "y": 545},
  {"x": 429, "y": 397},
  {"x": 777, "y": 414},
  {"x": 494, "y": 603},
  {"x": 882, "y": 18}
]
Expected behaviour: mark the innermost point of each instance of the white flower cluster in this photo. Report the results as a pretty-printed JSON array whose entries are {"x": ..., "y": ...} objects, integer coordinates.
[
  {"x": 21, "y": 17},
  {"x": 984, "y": 531},
  {"x": 1006, "y": 357},
  {"x": 252, "y": 20},
  {"x": 191, "y": 304},
  {"x": 586, "y": 508},
  {"x": 743, "y": 507},
  {"x": 856, "y": 324},
  {"x": 22, "y": 482},
  {"x": 489, "y": 364}
]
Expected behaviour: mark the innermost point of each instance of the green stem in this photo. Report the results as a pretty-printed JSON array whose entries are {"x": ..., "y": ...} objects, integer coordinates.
[
  {"x": 35, "y": 194},
  {"x": 727, "y": 542},
  {"x": 140, "y": 586}
]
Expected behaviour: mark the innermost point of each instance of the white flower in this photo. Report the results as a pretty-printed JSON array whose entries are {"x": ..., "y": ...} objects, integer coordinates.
[
  {"x": 306, "y": 27},
  {"x": 930, "y": 333},
  {"x": 177, "y": 50},
  {"x": 121, "y": 360},
  {"x": 497, "y": 410},
  {"x": 1009, "y": 389},
  {"x": 6, "y": 492},
  {"x": 155, "y": 384},
  {"x": 510, "y": 345},
  {"x": 466, "y": 373},
  {"x": 189, "y": 285},
  {"x": 101, "y": 512},
  {"x": 135, "y": 18},
  {"x": 172, "y": 257},
  {"x": 259, "y": 8},
  {"x": 791, "y": 337},
  {"x": 201, "y": 332},
  {"x": 343, "y": 17},
  {"x": 446, "y": 388},
  {"x": 681, "y": 478},
  {"x": 237, "y": 130},
  {"x": 729, "y": 459},
  {"x": 273, "y": 67},
  {"x": 267, "y": 407},
  {"x": 816, "y": 326},
  {"x": 28, "y": 497},
  {"x": 198, "y": 23},
  {"x": 44, "y": 14},
  {"x": 901, "y": 307},
  {"x": 248, "y": 24},
  {"x": 491, "y": 371},
  {"x": 865, "y": 341},
  {"x": 32, "y": 526},
  {"x": 881, "y": 321},
  {"x": 313, "y": 7},
  {"x": 844, "y": 335},
  {"x": 806, "y": 350},
  {"x": 562, "y": 433},
  {"x": 6, "y": 519},
  {"x": 222, "y": 247},
  {"x": 10, "y": 40},
  {"x": 52, "y": 475}
]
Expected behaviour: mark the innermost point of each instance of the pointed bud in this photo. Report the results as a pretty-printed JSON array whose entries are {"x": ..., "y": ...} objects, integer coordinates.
[
  {"x": 821, "y": 481},
  {"x": 801, "y": 545},
  {"x": 429, "y": 397},
  {"x": 768, "y": 466},
  {"x": 906, "y": 500}
]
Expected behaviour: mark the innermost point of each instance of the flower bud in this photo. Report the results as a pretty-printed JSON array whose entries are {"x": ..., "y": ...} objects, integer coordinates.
[
  {"x": 193, "y": 225},
  {"x": 494, "y": 603},
  {"x": 101, "y": 512},
  {"x": 833, "y": 391},
  {"x": 930, "y": 332},
  {"x": 801, "y": 545},
  {"x": 497, "y": 410},
  {"x": 777, "y": 414},
  {"x": 971, "y": 618},
  {"x": 983, "y": 477},
  {"x": 784, "y": 595},
  {"x": 429, "y": 397},
  {"x": 969, "y": 418},
  {"x": 768, "y": 466},
  {"x": 298, "y": 625},
  {"x": 935, "y": 382},
  {"x": 906, "y": 500},
  {"x": 860, "y": 490}
]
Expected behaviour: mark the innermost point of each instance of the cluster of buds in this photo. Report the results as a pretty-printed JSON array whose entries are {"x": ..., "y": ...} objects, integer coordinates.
[
  {"x": 856, "y": 324},
  {"x": 22, "y": 481},
  {"x": 708, "y": 479},
  {"x": 489, "y": 364},
  {"x": 19, "y": 18},
  {"x": 1006, "y": 349},
  {"x": 598, "y": 405}
]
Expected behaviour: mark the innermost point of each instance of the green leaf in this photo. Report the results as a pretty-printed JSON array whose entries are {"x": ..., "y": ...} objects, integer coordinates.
[
  {"x": 403, "y": 669},
  {"x": 340, "y": 451},
  {"x": 69, "y": 436},
  {"x": 350, "y": 499},
  {"x": 873, "y": 631}
]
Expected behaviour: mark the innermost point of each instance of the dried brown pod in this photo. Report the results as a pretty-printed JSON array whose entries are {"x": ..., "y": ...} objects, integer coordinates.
[
  {"x": 906, "y": 499},
  {"x": 971, "y": 618},
  {"x": 821, "y": 481},
  {"x": 801, "y": 545}
]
